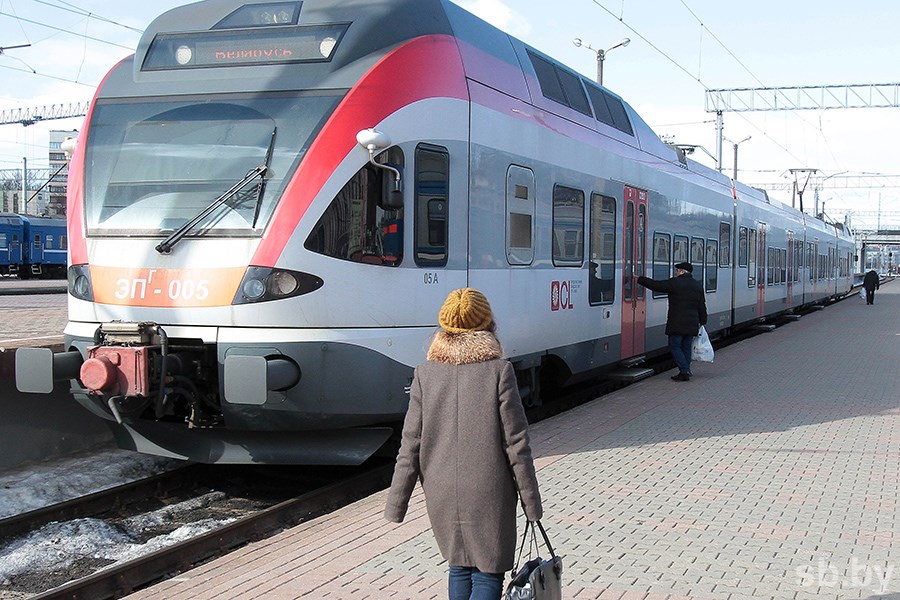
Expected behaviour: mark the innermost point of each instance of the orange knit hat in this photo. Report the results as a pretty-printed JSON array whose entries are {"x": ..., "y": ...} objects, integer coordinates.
[{"x": 465, "y": 310}]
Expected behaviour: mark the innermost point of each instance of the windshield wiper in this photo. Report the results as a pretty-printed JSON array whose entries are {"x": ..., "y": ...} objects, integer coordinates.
[
  {"x": 165, "y": 246},
  {"x": 262, "y": 184}
]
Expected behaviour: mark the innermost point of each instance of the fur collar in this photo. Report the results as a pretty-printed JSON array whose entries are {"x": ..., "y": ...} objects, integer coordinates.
[{"x": 464, "y": 348}]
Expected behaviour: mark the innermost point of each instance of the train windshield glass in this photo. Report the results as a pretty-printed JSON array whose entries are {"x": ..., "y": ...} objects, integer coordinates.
[{"x": 154, "y": 165}]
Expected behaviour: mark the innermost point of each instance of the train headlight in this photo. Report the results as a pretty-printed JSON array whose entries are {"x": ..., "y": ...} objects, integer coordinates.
[
  {"x": 183, "y": 55},
  {"x": 253, "y": 289},
  {"x": 262, "y": 284},
  {"x": 80, "y": 282},
  {"x": 326, "y": 46},
  {"x": 282, "y": 283}
]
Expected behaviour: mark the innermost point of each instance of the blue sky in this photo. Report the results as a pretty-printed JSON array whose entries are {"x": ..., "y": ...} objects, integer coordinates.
[{"x": 678, "y": 49}]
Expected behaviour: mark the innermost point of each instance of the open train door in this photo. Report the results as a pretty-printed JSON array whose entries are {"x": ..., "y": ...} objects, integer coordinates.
[{"x": 634, "y": 300}]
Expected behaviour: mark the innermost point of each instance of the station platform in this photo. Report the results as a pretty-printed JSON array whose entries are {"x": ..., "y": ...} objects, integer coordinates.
[{"x": 773, "y": 473}]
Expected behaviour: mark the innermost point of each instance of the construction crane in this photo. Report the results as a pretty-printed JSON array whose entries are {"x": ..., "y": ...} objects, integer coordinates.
[{"x": 30, "y": 116}]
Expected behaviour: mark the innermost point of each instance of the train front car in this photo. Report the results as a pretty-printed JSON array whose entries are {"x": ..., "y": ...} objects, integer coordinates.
[{"x": 236, "y": 229}]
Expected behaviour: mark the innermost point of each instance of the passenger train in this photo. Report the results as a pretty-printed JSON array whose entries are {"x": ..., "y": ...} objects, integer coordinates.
[
  {"x": 271, "y": 200},
  {"x": 32, "y": 246}
]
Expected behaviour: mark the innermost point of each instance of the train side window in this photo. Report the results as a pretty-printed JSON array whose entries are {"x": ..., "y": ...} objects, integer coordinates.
[
  {"x": 48, "y": 241},
  {"x": 568, "y": 227},
  {"x": 712, "y": 270},
  {"x": 37, "y": 241},
  {"x": 662, "y": 258},
  {"x": 742, "y": 246},
  {"x": 559, "y": 84},
  {"x": 698, "y": 253},
  {"x": 431, "y": 208},
  {"x": 3, "y": 241},
  {"x": 63, "y": 242},
  {"x": 519, "y": 215},
  {"x": 549, "y": 82},
  {"x": 751, "y": 258},
  {"x": 602, "y": 281},
  {"x": 15, "y": 240},
  {"x": 724, "y": 244},
  {"x": 359, "y": 225},
  {"x": 680, "y": 252}
]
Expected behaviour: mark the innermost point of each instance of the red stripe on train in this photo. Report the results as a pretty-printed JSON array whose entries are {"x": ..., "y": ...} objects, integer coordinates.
[{"x": 427, "y": 67}]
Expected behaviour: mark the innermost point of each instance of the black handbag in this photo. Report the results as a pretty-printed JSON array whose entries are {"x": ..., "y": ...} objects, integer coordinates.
[{"x": 537, "y": 579}]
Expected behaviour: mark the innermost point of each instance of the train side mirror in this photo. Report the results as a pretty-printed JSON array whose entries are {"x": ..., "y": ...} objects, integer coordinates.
[
  {"x": 394, "y": 200},
  {"x": 375, "y": 141}
]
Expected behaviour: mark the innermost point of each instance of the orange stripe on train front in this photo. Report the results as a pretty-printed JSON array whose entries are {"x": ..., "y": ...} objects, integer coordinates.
[{"x": 165, "y": 287}]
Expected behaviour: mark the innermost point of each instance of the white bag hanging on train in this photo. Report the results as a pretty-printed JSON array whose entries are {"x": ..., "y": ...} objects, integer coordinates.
[{"x": 701, "y": 348}]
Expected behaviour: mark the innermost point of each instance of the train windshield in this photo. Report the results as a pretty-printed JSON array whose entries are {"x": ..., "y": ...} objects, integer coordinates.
[{"x": 153, "y": 165}]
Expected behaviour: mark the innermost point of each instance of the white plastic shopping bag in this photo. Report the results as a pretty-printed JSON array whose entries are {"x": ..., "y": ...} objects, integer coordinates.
[
  {"x": 701, "y": 349},
  {"x": 862, "y": 293}
]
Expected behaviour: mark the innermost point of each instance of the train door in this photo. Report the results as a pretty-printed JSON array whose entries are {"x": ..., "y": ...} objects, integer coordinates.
[
  {"x": 15, "y": 250},
  {"x": 634, "y": 235},
  {"x": 761, "y": 257},
  {"x": 789, "y": 280},
  {"x": 37, "y": 251},
  {"x": 817, "y": 271}
]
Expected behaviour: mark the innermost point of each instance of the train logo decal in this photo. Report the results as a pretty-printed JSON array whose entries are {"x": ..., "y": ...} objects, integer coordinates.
[{"x": 561, "y": 295}]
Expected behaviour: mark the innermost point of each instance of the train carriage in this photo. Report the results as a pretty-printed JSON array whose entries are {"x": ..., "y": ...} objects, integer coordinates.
[
  {"x": 11, "y": 230},
  {"x": 271, "y": 199},
  {"x": 32, "y": 246}
]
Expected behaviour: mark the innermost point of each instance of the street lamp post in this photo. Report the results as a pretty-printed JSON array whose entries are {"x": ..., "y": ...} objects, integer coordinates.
[{"x": 601, "y": 54}]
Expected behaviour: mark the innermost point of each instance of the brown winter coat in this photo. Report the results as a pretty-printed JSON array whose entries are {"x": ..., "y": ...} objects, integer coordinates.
[{"x": 465, "y": 438}]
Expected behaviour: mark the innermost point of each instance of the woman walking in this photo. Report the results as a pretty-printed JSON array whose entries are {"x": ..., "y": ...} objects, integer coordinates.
[{"x": 465, "y": 437}]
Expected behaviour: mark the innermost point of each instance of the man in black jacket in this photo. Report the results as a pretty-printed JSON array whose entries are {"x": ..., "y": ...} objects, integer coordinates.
[
  {"x": 687, "y": 312},
  {"x": 870, "y": 282}
]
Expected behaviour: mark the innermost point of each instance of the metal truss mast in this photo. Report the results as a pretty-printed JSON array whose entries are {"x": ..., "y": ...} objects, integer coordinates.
[
  {"x": 808, "y": 97},
  {"x": 798, "y": 97},
  {"x": 30, "y": 116}
]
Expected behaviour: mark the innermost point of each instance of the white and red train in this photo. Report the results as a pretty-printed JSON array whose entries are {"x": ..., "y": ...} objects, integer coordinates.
[{"x": 270, "y": 201}]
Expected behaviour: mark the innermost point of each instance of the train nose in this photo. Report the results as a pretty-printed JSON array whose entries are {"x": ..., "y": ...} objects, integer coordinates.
[{"x": 98, "y": 374}]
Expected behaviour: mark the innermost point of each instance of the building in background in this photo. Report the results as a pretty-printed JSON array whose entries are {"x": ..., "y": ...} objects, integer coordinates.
[
  {"x": 11, "y": 199},
  {"x": 56, "y": 203}
]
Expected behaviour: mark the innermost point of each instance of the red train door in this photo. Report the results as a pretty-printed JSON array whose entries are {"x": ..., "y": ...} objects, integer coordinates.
[{"x": 634, "y": 309}]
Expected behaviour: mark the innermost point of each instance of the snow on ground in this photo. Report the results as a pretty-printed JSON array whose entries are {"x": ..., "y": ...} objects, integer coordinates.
[
  {"x": 58, "y": 546},
  {"x": 42, "y": 484}
]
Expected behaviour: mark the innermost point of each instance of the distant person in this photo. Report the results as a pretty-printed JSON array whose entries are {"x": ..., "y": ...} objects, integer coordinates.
[
  {"x": 870, "y": 283},
  {"x": 687, "y": 312},
  {"x": 465, "y": 438}
]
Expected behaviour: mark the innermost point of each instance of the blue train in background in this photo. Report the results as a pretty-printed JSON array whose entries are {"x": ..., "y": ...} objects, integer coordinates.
[{"x": 32, "y": 246}]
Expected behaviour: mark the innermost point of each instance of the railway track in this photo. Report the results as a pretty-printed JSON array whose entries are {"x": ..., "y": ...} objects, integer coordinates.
[
  {"x": 102, "y": 502},
  {"x": 323, "y": 491}
]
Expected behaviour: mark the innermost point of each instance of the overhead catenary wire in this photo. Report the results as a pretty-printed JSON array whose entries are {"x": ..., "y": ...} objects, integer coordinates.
[
  {"x": 697, "y": 77},
  {"x": 80, "y": 11},
  {"x": 89, "y": 37}
]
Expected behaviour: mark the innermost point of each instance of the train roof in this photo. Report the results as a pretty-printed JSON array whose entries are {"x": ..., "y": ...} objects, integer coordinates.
[
  {"x": 368, "y": 32},
  {"x": 364, "y": 33}
]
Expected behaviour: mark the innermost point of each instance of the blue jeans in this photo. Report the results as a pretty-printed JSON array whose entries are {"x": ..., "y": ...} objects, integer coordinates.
[
  {"x": 680, "y": 347},
  {"x": 468, "y": 583}
]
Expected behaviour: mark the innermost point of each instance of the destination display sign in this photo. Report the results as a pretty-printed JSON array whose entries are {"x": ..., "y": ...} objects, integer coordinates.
[{"x": 230, "y": 48}]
